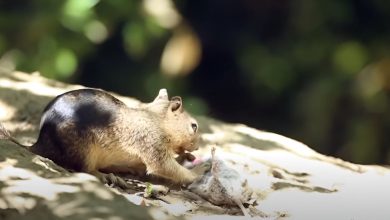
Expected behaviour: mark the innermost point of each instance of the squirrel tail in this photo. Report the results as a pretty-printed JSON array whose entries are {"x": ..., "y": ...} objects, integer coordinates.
[{"x": 5, "y": 135}]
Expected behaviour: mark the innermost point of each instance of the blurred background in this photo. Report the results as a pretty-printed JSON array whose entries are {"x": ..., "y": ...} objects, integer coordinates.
[{"x": 315, "y": 71}]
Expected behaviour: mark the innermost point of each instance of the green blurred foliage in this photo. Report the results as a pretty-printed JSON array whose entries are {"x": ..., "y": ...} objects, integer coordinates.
[{"x": 317, "y": 71}]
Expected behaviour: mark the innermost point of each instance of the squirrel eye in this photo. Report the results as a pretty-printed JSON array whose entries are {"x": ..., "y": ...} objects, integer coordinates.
[{"x": 194, "y": 127}]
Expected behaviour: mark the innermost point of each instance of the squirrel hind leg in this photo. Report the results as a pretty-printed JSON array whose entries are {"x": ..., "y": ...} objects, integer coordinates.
[{"x": 112, "y": 180}]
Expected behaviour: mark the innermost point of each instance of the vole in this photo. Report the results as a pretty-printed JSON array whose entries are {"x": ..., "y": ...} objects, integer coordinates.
[
  {"x": 91, "y": 131},
  {"x": 222, "y": 185}
]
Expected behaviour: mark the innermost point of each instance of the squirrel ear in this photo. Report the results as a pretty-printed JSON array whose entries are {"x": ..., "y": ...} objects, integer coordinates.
[
  {"x": 160, "y": 103},
  {"x": 162, "y": 95},
  {"x": 176, "y": 104}
]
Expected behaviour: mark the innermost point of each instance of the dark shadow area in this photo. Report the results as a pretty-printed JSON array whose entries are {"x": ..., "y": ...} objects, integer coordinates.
[
  {"x": 65, "y": 196},
  {"x": 284, "y": 185}
]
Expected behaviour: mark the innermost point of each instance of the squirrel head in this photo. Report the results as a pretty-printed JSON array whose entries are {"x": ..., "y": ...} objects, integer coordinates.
[{"x": 181, "y": 129}]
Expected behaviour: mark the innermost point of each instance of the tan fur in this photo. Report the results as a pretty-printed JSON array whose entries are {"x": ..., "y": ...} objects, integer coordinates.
[
  {"x": 149, "y": 139},
  {"x": 141, "y": 140}
]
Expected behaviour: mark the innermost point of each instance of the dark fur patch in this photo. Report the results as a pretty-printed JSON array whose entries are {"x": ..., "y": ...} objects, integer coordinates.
[
  {"x": 52, "y": 145},
  {"x": 92, "y": 115},
  {"x": 68, "y": 125}
]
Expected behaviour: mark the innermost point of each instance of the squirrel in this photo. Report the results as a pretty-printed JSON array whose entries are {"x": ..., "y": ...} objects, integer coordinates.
[{"x": 89, "y": 130}]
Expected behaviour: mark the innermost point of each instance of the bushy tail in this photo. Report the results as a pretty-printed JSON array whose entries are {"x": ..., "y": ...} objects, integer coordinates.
[{"x": 5, "y": 135}]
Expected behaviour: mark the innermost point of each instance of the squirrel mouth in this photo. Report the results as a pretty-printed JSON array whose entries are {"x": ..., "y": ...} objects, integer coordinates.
[{"x": 184, "y": 149}]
